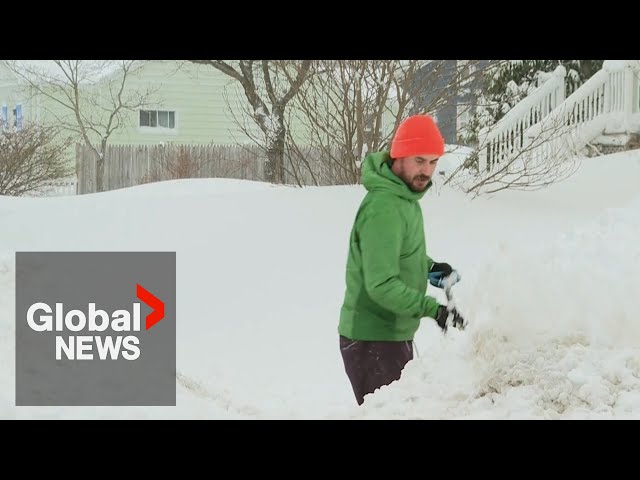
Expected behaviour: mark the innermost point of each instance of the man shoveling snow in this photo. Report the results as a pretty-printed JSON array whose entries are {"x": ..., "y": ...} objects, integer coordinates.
[{"x": 388, "y": 268}]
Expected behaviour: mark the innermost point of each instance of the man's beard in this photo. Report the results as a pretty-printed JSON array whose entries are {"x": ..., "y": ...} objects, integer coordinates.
[{"x": 412, "y": 184}]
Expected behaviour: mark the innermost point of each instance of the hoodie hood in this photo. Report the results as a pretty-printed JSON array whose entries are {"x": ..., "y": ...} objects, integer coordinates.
[{"x": 377, "y": 176}]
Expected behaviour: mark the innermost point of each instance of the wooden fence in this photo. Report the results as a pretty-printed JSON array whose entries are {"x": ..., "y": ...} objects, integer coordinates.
[{"x": 130, "y": 165}]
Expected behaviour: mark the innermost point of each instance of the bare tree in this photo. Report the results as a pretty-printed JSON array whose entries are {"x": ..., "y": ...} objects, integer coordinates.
[
  {"x": 269, "y": 86},
  {"x": 30, "y": 158},
  {"x": 190, "y": 161},
  {"x": 350, "y": 107},
  {"x": 88, "y": 98},
  {"x": 530, "y": 160}
]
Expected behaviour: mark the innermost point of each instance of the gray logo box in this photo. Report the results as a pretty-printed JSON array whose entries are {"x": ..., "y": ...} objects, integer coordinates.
[{"x": 112, "y": 377}]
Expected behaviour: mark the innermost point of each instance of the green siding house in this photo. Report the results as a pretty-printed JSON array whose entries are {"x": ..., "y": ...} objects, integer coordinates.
[
  {"x": 191, "y": 104},
  {"x": 188, "y": 103}
]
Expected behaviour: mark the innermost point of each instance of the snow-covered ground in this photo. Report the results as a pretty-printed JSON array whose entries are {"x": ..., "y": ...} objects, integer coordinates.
[{"x": 549, "y": 285}]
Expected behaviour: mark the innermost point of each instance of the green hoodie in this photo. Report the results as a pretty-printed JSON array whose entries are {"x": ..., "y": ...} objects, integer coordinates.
[{"x": 387, "y": 264}]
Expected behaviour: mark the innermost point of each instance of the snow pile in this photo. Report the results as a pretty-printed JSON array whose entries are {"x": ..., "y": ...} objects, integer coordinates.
[
  {"x": 452, "y": 160},
  {"x": 549, "y": 286},
  {"x": 554, "y": 335}
]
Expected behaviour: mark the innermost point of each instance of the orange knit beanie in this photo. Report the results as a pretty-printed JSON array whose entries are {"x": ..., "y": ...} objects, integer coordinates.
[{"x": 417, "y": 135}]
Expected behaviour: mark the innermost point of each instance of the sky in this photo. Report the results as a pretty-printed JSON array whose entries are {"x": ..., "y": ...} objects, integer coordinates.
[
  {"x": 87, "y": 71},
  {"x": 549, "y": 285}
]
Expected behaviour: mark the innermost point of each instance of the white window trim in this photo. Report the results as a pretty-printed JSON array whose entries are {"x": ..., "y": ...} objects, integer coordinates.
[{"x": 159, "y": 130}]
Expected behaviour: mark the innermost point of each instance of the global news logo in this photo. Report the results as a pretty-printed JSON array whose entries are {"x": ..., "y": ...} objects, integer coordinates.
[
  {"x": 125, "y": 325},
  {"x": 95, "y": 328}
]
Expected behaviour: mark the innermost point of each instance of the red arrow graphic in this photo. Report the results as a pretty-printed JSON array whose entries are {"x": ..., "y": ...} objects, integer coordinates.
[{"x": 154, "y": 302}]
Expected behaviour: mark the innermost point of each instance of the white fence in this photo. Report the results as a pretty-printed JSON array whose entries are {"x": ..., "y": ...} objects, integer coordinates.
[
  {"x": 57, "y": 188},
  {"x": 508, "y": 134},
  {"x": 567, "y": 127}
]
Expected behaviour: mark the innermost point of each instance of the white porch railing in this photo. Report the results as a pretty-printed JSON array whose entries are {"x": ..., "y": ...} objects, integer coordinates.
[
  {"x": 611, "y": 94},
  {"x": 499, "y": 140}
]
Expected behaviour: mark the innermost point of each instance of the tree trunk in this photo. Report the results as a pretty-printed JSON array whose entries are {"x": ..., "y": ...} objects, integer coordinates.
[
  {"x": 99, "y": 162},
  {"x": 100, "y": 174},
  {"x": 100, "y": 166},
  {"x": 274, "y": 167}
]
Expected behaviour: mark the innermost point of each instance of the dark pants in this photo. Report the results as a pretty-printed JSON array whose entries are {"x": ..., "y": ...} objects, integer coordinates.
[{"x": 372, "y": 364}]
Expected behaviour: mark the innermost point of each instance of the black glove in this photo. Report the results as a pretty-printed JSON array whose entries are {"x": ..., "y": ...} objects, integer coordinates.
[
  {"x": 439, "y": 272},
  {"x": 453, "y": 317}
]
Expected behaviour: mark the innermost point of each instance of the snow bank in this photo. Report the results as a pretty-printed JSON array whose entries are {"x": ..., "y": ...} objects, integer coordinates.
[
  {"x": 549, "y": 286},
  {"x": 555, "y": 335}
]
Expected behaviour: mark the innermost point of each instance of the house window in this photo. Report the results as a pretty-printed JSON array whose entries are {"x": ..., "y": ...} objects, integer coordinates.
[
  {"x": 17, "y": 115},
  {"x": 158, "y": 118}
]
